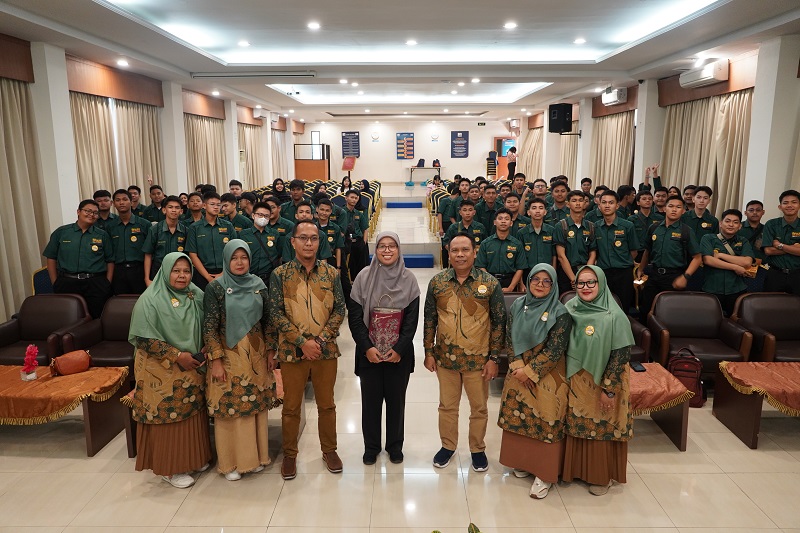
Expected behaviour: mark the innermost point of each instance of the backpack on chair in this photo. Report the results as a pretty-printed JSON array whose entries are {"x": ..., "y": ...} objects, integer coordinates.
[{"x": 688, "y": 368}]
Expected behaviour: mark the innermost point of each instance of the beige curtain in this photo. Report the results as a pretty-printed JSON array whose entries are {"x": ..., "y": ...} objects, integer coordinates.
[
  {"x": 796, "y": 172},
  {"x": 138, "y": 144},
  {"x": 530, "y": 156},
  {"x": 21, "y": 244},
  {"x": 251, "y": 142},
  {"x": 611, "y": 156},
  {"x": 569, "y": 153},
  {"x": 94, "y": 143},
  {"x": 205, "y": 151},
  {"x": 705, "y": 143},
  {"x": 280, "y": 164}
]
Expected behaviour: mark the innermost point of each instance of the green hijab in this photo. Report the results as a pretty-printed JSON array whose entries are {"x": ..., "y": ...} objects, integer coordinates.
[
  {"x": 244, "y": 304},
  {"x": 168, "y": 314},
  {"x": 533, "y": 317},
  {"x": 600, "y": 326}
]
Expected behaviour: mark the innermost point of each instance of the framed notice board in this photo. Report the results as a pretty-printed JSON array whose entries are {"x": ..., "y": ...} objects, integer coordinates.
[{"x": 351, "y": 144}]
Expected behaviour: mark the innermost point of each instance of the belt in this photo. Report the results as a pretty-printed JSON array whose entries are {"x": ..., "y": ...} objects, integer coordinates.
[
  {"x": 82, "y": 275},
  {"x": 788, "y": 270},
  {"x": 130, "y": 264},
  {"x": 503, "y": 276},
  {"x": 667, "y": 270}
]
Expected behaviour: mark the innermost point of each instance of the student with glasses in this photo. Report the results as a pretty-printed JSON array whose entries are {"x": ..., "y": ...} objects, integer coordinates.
[{"x": 80, "y": 259}]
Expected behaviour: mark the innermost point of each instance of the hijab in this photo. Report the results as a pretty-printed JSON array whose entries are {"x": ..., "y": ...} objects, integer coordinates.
[
  {"x": 244, "y": 304},
  {"x": 168, "y": 314},
  {"x": 534, "y": 317},
  {"x": 600, "y": 326},
  {"x": 385, "y": 286}
]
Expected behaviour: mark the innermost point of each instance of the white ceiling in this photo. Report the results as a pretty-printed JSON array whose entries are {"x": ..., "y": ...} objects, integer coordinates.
[{"x": 528, "y": 67}]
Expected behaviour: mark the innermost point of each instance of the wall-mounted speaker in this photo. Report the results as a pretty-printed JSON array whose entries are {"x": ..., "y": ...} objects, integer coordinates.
[{"x": 560, "y": 118}]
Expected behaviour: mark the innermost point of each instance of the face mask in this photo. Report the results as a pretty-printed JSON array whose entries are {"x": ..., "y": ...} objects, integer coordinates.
[{"x": 261, "y": 222}]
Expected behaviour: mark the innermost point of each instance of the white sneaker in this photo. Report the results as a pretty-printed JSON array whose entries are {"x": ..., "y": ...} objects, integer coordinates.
[
  {"x": 179, "y": 481},
  {"x": 539, "y": 489},
  {"x": 258, "y": 469},
  {"x": 203, "y": 468},
  {"x": 521, "y": 473},
  {"x": 233, "y": 476}
]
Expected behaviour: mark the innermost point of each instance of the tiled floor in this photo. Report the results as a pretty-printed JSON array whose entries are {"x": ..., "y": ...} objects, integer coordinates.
[{"x": 47, "y": 484}]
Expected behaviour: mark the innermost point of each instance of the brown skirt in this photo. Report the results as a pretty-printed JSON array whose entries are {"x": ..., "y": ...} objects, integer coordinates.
[
  {"x": 542, "y": 459},
  {"x": 595, "y": 461},
  {"x": 242, "y": 443},
  {"x": 175, "y": 448}
]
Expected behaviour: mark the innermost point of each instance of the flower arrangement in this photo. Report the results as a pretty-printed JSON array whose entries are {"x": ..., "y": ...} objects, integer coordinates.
[{"x": 30, "y": 363}]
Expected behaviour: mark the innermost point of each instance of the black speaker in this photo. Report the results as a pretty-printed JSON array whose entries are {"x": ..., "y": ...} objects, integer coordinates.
[{"x": 560, "y": 118}]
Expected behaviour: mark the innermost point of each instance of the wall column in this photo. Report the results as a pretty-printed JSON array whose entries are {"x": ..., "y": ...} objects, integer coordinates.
[
  {"x": 650, "y": 121},
  {"x": 173, "y": 141},
  {"x": 231, "y": 142},
  {"x": 586, "y": 126}
]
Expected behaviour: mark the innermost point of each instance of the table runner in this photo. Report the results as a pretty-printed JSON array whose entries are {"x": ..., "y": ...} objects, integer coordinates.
[
  {"x": 25, "y": 403},
  {"x": 655, "y": 390},
  {"x": 778, "y": 382}
]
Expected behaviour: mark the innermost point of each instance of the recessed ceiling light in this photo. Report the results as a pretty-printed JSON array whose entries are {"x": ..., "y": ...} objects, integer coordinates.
[
  {"x": 122, "y": 62},
  {"x": 598, "y": 89},
  {"x": 342, "y": 80},
  {"x": 354, "y": 84},
  {"x": 377, "y": 122},
  {"x": 286, "y": 114},
  {"x": 509, "y": 118},
  {"x": 302, "y": 120},
  {"x": 453, "y": 92},
  {"x": 529, "y": 113},
  {"x": 466, "y": 112},
  {"x": 434, "y": 121},
  {"x": 244, "y": 44},
  {"x": 258, "y": 106},
  {"x": 405, "y": 112},
  {"x": 411, "y": 42},
  {"x": 446, "y": 110},
  {"x": 366, "y": 111},
  {"x": 523, "y": 109},
  {"x": 323, "y": 122},
  {"x": 291, "y": 111},
  {"x": 461, "y": 84},
  {"x": 579, "y": 40},
  {"x": 476, "y": 80},
  {"x": 510, "y": 25},
  {"x": 360, "y": 93},
  {"x": 215, "y": 93},
  {"x": 313, "y": 25}
]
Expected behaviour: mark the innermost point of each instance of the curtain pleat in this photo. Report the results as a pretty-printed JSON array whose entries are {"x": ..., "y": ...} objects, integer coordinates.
[
  {"x": 611, "y": 156},
  {"x": 139, "y": 144},
  {"x": 205, "y": 151},
  {"x": 569, "y": 153},
  {"x": 280, "y": 164},
  {"x": 251, "y": 142},
  {"x": 93, "y": 131},
  {"x": 530, "y": 157}
]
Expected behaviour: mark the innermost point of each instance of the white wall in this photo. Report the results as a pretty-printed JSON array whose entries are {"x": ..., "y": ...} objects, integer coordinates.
[{"x": 379, "y": 158}]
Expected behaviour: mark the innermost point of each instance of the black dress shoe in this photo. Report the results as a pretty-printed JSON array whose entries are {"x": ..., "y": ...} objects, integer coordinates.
[
  {"x": 396, "y": 457},
  {"x": 369, "y": 458}
]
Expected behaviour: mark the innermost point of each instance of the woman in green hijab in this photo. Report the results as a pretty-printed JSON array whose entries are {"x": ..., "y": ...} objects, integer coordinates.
[
  {"x": 598, "y": 423},
  {"x": 534, "y": 399},
  {"x": 168, "y": 402},
  {"x": 241, "y": 346}
]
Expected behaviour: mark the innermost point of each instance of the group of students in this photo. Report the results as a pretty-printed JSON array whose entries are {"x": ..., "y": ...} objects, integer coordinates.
[{"x": 104, "y": 253}]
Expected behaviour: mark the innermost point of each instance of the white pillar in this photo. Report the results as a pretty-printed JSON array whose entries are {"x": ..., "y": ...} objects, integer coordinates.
[
  {"x": 650, "y": 121},
  {"x": 266, "y": 152},
  {"x": 173, "y": 140},
  {"x": 290, "y": 140},
  {"x": 56, "y": 141},
  {"x": 231, "y": 142},
  {"x": 551, "y": 152},
  {"x": 586, "y": 125},
  {"x": 773, "y": 124}
]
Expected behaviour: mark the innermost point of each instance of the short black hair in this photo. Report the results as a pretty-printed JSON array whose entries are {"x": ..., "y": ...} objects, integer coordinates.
[
  {"x": 260, "y": 205},
  {"x": 790, "y": 192},
  {"x": 211, "y": 195},
  {"x": 473, "y": 186},
  {"x": 692, "y": 187},
  {"x": 352, "y": 191},
  {"x": 625, "y": 190},
  {"x": 643, "y": 193},
  {"x": 250, "y": 197},
  {"x": 675, "y": 197},
  {"x": 754, "y": 202},
  {"x": 661, "y": 189},
  {"x": 519, "y": 175},
  {"x": 102, "y": 193},
  {"x": 171, "y": 198},
  {"x": 732, "y": 212},
  {"x": 272, "y": 200},
  {"x": 704, "y": 188},
  {"x": 467, "y": 203},
  {"x": 559, "y": 183},
  {"x": 452, "y": 188},
  {"x": 84, "y": 203},
  {"x": 195, "y": 193},
  {"x": 513, "y": 195},
  {"x": 207, "y": 188},
  {"x": 467, "y": 235},
  {"x": 297, "y": 184},
  {"x": 505, "y": 184},
  {"x": 199, "y": 187},
  {"x": 536, "y": 200},
  {"x": 300, "y": 223},
  {"x": 537, "y": 180},
  {"x": 135, "y": 188},
  {"x": 154, "y": 187},
  {"x": 600, "y": 188},
  {"x": 586, "y": 180},
  {"x": 324, "y": 201},
  {"x": 489, "y": 186},
  {"x": 121, "y": 191},
  {"x": 573, "y": 194},
  {"x": 609, "y": 192},
  {"x": 504, "y": 211},
  {"x": 305, "y": 203},
  {"x": 228, "y": 197},
  {"x": 234, "y": 182}
]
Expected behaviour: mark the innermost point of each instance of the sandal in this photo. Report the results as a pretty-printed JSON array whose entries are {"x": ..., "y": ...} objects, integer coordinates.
[{"x": 539, "y": 489}]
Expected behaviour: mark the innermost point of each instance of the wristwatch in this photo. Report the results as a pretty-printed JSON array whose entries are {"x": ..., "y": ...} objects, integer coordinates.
[
  {"x": 322, "y": 343},
  {"x": 780, "y": 246},
  {"x": 687, "y": 275},
  {"x": 493, "y": 358}
]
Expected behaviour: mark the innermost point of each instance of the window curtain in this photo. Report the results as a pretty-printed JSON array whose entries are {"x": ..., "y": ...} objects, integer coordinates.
[
  {"x": 705, "y": 143},
  {"x": 530, "y": 156},
  {"x": 251, "y": 142},
  {"x": 93, "y": 131},
  {"x": 280, "y": 164},
  {"x": 611, "y": 156},
  {"x": 796, "y": 172},
  {"x": 138, "y": 144},
  {"x": 21, "y": 244},
  {"x": 569, "y": 153},
  {"x": 205, "y": 151}
]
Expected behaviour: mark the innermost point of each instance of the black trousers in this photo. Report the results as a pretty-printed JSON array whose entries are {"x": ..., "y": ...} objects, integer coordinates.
[
  {"x": 620, "y": 281},
  {"x": 655, "y": 284},
  {"x": 383, "y": 383},
  {"x": 96, "y": 291},
  {"x": 512, "y": 169},
  {"x": 343, "y": 275},
  {"x": 202, "y": 282},
  {"x": 564, "y": 284},
  {"x": 779, "y": 281},
  {"x": 504, "y": 279},
  {"x": 445, "y": 252},
  {"x": 728, "y": 301},
  {"x": 359, "y": 257},
  {"x": 128, "y": 279}
]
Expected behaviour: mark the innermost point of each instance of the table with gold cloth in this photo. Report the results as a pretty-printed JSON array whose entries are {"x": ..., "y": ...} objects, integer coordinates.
[{"x": 659, "y": 394}]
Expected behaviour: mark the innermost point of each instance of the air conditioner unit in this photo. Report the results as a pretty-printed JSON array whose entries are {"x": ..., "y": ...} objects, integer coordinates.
[
  {"x": 260, "y": 113},
  {"x": 274, "y": 117},
  {"x": 513, "y": 124},
  {"x": 700, "y": 77},
  {"x": 615, "y": 96}
]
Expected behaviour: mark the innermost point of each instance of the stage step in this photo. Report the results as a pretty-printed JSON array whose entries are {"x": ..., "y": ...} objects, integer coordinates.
[{"x": 404, "y": 204}]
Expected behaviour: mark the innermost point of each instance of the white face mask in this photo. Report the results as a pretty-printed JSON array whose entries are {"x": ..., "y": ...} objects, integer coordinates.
[{"x": 260, "y": 221}]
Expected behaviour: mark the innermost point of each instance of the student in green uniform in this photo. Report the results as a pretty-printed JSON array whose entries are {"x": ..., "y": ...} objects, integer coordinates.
[
  {"x": 781, "y": 240},
  {"x": 644, "y": 217},
  {"x": 700, "y": 218},
  {"x": 304, "y": 214},
  {"x": 154, "y": 212},
  {"x": 520, "y": 188},
  {"x": 512, "y": 203},
  {"x": 137, "y": 208},
  {"x": 537, "y": 238},
  {"x": 617, "y": 245},
  {"x": 230, "y": 212},
  {"x": 103, "y": 199},
  {"x": 128, "y": 234},
  {"x": 753, "y": 229},
  {"x": 80, "y": 259},
  {"x": 586, "y": 185},
  {"x": 594, "y": 215},
  {"x": 467, "y": 225},
  {"x": 355, "y": 224},
  {"x": 540, "y": 189},
  {"x": 502, "y": 255},
  {"x": 463, "y": 191},
  {"x": 559, "y": 210},
  {"x": 627, "y": 197},
  {"x": 206, "y": 240},
  {"x": 660, "y": 196},
  {"x": 503, "y": 190},
  {"x": 165, "y": 237},
  {"x": 672, "y": 252},
  {"x": 333, "y": 233},
  {"x": 297, "y": 189},
  {"x": 727, "y": 257},
  {"x": 194, "y": 211},
  {"x": 443, "y": 218},
  {"x": 575, "y": 242},
  {"x": 474, "y": 194},
  {"x": 281, "y": 225},
  {"x": 486, "y": 209},
  {"x": 688, "y": 196},
  {"x": 246, "y": 203},
  {"x": 235, "y": 188},
  {"x": 265, "y": 252}
]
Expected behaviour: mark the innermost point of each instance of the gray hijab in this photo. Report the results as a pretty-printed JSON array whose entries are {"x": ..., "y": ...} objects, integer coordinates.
[{"x": 385, "y": 286}]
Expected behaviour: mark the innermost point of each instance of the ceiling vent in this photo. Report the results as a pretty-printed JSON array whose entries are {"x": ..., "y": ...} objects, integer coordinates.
[{"x": 715, "y": 72}]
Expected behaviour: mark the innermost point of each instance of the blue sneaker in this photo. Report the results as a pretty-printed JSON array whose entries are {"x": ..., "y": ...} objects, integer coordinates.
[
  {"x": 479, "y": 462},
  {"x": 442, "y": 458}
]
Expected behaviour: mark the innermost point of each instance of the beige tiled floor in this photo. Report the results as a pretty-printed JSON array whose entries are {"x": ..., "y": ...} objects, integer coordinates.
[{"x": 48, "y": 485}]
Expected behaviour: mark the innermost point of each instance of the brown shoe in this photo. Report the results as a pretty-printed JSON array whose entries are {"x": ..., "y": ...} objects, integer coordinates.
[
  {"x": 333, "y": 462},
  {"x": 289, "y": 468}
]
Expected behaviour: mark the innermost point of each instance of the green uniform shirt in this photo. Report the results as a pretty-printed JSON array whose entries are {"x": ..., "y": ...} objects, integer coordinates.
[
  {"x": 289, "y": 210},
  {"x": 240, "y": 223},
  {"x": 77, "y": 251},
  {"x": 554, "y": 214},
  {"x": 207, "y": 241},
  {"x": 161, "y": 241},
  {"x": 755, "y": 240},
  {"x": 283, "y": 226},
  {"x": 624, "y": 212},
  {"x": 102, "y": 224},
  {"x": 476, "y": 230},
  {"x": 265, "y": 249},
  {"x": 642, "y": 223},
  {"x": 336, "y": 214},
  {"x": 665, "y": 249},
  {"x": 501, "y": 256},
  {"x": 443, "y": 208},
  {"x": 519, "y": 223},
  {"x": 138, "y": 210},
  {"x": 615, "y": 242},
  {"x": 334, "y": 235},
  {"x": 705, "y": 225},
  {"x": 359, "y": 221},
  {"x": 455, "y": 208},
  {"x": 128, "y": 239},
  {"x": 323, "y": 252},
  {"x": 719, "y": 280},
  {"x": 594, "y": 216},
  {"x": 656, "y": 184},
  {"x": 538, "y": 246},
  {"x": 577, "y": 241},
  {"x": 788, "y": 234},
  {"x": 153, "y": 213},
  {"x": 485, "y": 214}
]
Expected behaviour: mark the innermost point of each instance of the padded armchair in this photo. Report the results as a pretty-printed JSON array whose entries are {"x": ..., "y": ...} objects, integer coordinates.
[
  {"x": 694, "y": 320},
  {"x": 106, "y": 338},
  {"x": 42, "y": 320},
  {"x": 772, "y": 319},
  {"x": 641, "y": 335}
]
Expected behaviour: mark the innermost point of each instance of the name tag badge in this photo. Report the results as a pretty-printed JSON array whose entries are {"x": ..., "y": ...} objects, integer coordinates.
[
  {"x": 547, "y": 238},
  {"x": 223, "y": 230},
  {"x": 180, "y": 239}
]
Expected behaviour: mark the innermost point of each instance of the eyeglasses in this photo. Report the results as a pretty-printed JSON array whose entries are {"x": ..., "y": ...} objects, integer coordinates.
[
  {"x": 539, "y": 187},
  {"x": 90, "y": 213},
  {"x": 546, "y": 282},
  {"x": 592, "y": 283},
  {"x": 387, "y": 247},
  {"x": 303, "y": 238},
  {"x": 260, "y": 215}
]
